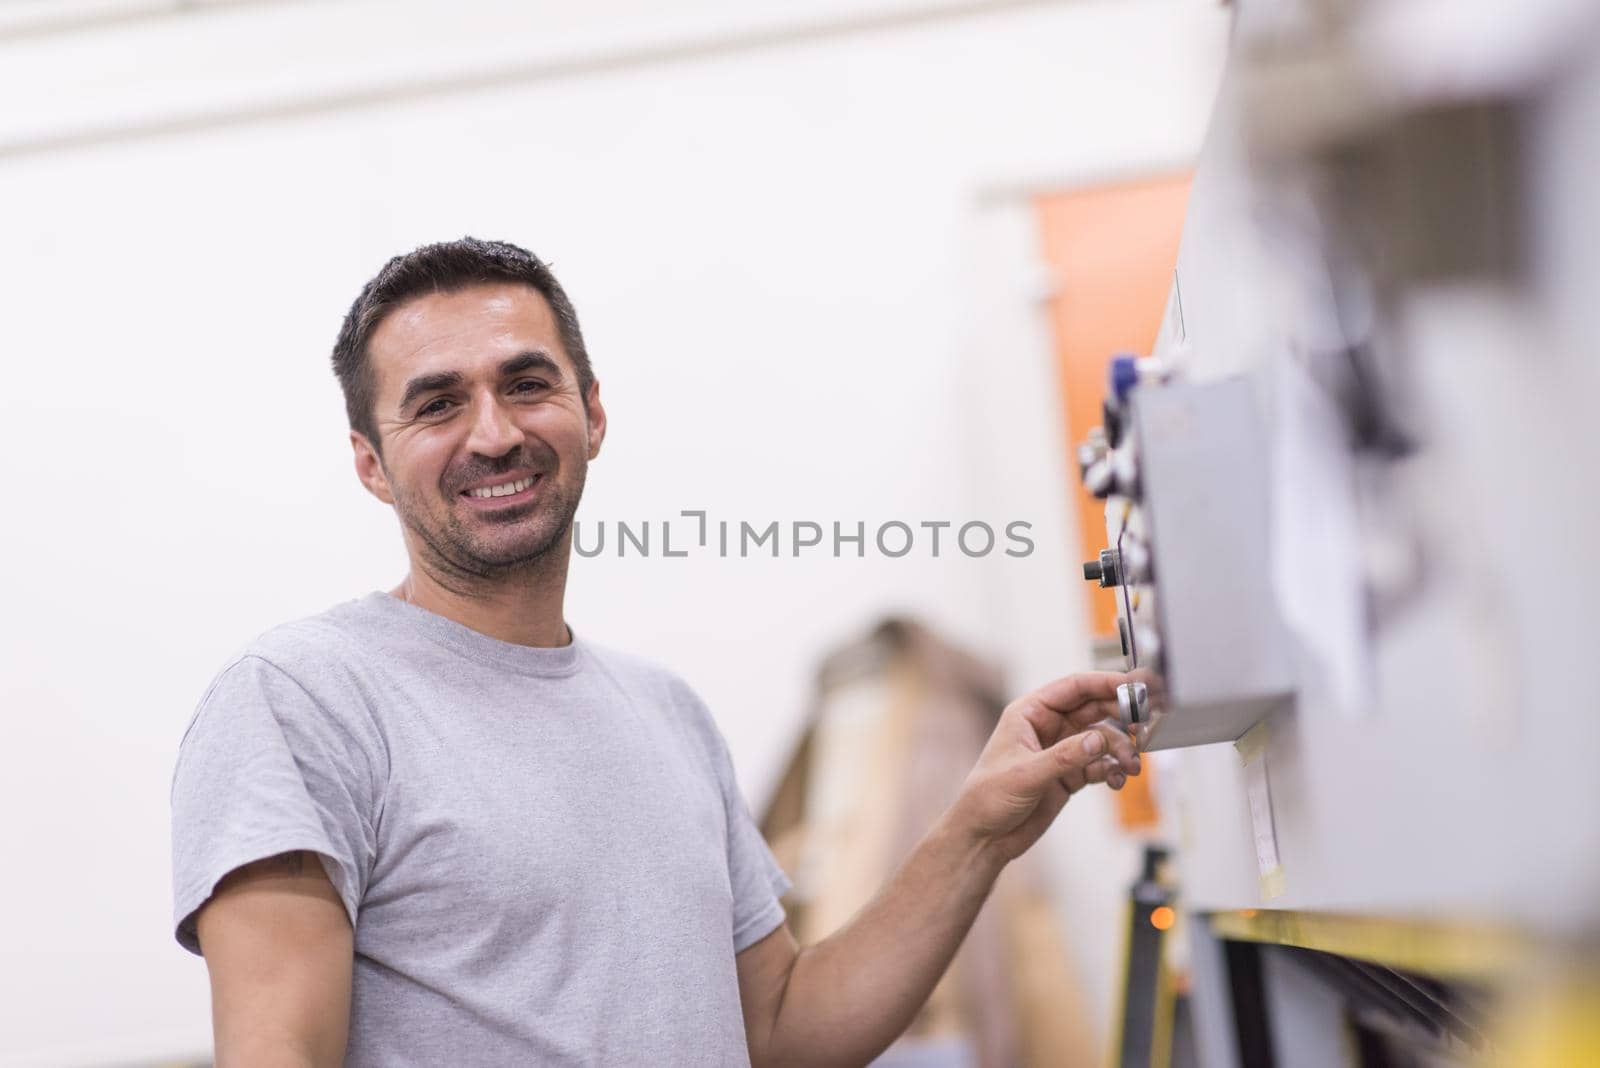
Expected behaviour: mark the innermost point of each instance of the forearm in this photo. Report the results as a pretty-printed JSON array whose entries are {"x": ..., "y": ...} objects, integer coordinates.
[
  {"x": 844, "y": 1000},
  {"x": 852, "y": 994}
]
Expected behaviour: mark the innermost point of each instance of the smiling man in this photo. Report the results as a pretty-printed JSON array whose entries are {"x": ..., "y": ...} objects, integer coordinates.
[{"x": 433, "y": 826}]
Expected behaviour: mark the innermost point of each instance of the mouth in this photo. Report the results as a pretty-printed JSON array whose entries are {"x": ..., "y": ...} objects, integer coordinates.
[{"x": 504, "y": 493}]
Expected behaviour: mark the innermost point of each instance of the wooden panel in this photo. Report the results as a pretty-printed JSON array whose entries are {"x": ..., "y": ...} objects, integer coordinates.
[{"x": 1112, "y": 250}]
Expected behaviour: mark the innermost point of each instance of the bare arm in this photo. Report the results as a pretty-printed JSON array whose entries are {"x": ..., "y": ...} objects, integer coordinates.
[
  {"x": 845, "y": 999},
  {"x": 280, "y": 952}
]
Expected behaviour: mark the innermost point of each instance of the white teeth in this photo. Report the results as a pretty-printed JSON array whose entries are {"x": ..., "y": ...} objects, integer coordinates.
[{"x": 505, "y": 489}]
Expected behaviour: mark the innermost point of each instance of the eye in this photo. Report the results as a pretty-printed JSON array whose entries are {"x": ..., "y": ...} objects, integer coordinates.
[
  {"x": 437, "y": 406},
  {"x": 526, "y": 386}
]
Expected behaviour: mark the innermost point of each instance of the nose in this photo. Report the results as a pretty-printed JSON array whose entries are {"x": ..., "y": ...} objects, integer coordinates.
[{"x": 494, "y": 432}]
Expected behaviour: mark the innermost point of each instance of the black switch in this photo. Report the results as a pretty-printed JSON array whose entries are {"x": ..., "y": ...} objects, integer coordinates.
[{"x": 1103, "y": 570}]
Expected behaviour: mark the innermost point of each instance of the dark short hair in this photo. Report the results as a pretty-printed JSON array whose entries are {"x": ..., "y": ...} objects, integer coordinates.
[{"x": 445, "y": 267}]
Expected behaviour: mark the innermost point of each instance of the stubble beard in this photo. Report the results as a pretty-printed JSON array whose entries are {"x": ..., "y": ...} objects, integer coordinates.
[{"x": 455, "y": 555}]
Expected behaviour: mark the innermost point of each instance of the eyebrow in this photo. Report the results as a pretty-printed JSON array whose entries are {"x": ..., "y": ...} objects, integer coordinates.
[
  {"x": 427, "y": 384},
  {"x": 531, "y": 360}
]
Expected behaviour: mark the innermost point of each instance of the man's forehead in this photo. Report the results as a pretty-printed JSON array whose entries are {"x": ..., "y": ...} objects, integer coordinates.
[{"x": 458, "y": 329}]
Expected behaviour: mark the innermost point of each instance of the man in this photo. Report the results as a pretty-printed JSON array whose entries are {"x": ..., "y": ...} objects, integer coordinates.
[{"x": 434, "y": 827}]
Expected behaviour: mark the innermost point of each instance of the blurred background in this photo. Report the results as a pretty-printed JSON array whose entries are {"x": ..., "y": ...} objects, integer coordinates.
[{"x": 859, "y": 262}]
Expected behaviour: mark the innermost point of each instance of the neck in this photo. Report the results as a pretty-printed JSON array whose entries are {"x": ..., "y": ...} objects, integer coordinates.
[{"x": 523, "y": 608}]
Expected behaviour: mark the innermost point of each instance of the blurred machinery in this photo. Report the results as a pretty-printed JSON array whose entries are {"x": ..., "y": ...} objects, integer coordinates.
[
  {"x": 1353, "y": 519},
  {"x": 900, "y": 716}
]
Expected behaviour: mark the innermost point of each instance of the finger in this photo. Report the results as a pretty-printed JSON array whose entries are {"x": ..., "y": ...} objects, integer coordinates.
[
  {"x": 1141, "y": 735},
  {"x": 1091, "y": 712},
  {"x": 1121, "y": 746},
  {"x": 1072, "y": 780},
  {"x": 1079, "y": 699},
  {"x": 1104, "y": 770},
  {"x": 1070, "y": 691},
  {"x": 1097, "y": 771},
  {"x": 1050, "y": 726},
  {"x": 1064, "y": 761}
]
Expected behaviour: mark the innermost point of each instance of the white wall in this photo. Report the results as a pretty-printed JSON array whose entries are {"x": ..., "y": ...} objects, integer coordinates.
[{"x": 771, "y": 251}]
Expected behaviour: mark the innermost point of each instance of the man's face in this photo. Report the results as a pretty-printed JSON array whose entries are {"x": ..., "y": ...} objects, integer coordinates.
[{"x": 486, "y": 437}]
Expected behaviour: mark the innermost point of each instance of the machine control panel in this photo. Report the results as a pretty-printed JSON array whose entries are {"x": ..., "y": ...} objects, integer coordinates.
[{"x": 1182, "y": 468}]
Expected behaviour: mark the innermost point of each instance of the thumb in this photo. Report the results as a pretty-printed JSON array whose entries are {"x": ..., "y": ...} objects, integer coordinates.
[{"x": 1071, "y": 754}]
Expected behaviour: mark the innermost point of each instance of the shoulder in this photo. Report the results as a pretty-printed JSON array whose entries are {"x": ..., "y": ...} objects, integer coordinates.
[
  {"x": 329, "y": 654},
  {"x": 309, "y": 668},
  {"x": 330, "y": 641}
]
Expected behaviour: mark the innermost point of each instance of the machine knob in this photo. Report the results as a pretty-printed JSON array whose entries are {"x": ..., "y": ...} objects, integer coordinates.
[
  {"x": 1092, "y": 451},
  {"x": 1098, "y": 478},
  {"x": 1133, "y": 704},
  {"x": 1104, "y": 570},
  {"x": 1111, "y": 473},
  {"x": 1087, "y": 455}
]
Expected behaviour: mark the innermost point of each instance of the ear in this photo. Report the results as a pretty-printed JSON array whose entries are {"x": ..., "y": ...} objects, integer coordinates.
[
  {"x": 597, "y": 418},
  {"x": 369, "y": 467}
]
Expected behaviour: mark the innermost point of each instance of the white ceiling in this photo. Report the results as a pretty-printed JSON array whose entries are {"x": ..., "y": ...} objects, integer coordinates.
[{"x": 94, "y": 71}]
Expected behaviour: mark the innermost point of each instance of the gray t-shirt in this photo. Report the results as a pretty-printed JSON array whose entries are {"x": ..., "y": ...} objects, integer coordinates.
[{"x": 543, "y": 852}]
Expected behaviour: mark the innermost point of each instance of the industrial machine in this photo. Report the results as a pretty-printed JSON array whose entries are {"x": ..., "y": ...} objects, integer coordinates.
[{"x": 1353, "y": 524}]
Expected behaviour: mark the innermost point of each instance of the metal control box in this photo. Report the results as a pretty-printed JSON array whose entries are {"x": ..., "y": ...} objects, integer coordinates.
[{"x": 1189, "y": 530}]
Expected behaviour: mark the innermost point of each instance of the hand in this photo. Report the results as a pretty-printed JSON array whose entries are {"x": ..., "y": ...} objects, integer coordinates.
[{"x": 1047, "y": 746}]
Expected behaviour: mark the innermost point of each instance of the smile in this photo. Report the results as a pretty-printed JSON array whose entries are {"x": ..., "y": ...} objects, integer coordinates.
[{"x": 502, "y": 489}]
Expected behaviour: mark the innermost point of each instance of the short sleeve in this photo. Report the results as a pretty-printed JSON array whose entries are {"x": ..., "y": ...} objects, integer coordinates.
[
  {"x": 758, "y": 881},
  {"x": 264, "y": 769}
]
